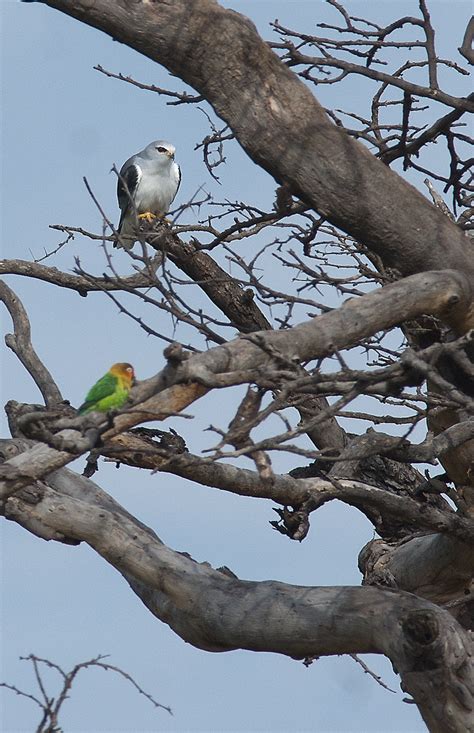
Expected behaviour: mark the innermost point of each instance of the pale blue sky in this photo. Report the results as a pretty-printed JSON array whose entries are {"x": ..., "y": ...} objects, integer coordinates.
[{"x": 63, "y": 120}]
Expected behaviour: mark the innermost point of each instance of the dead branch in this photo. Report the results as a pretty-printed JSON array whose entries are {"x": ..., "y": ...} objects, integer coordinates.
[{"x": 20, "y": 343}]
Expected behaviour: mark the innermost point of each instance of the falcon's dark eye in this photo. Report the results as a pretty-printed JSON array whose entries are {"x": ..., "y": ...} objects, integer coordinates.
[{"x": 161, "y": 149}]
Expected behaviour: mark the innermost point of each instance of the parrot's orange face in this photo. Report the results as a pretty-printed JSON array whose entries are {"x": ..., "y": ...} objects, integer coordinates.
[{"x": 124, "y": 372}]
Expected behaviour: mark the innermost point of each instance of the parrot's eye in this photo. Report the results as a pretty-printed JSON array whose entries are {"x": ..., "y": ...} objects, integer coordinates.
[
  {"x": 161, "y": 149},
  {"x": 130, "y": 370}
]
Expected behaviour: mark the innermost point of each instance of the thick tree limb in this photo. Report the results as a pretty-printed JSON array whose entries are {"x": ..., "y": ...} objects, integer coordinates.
[
  {"x": 240, "y": 360},
  {"x": 220, "y": 54},
  {"x": 38, "y": 461},
  {"x": 135, "y": 450},
  {"x": 436, "y": 567},
  {"x": 218, "y": 613}
]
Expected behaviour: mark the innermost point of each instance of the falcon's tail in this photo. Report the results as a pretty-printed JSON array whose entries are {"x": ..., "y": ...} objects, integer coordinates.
[{"x": 126, "y": 232}]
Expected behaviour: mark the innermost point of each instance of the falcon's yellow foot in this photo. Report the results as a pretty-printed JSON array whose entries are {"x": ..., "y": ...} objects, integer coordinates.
[{"x": 148, "y": 216}]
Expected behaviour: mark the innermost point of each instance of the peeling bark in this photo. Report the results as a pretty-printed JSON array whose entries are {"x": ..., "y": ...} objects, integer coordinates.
[{"x": 436, "y": 567}]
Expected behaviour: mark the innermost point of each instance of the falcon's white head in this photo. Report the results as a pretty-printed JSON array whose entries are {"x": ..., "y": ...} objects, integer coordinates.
[{"x": 160, "y": 149}]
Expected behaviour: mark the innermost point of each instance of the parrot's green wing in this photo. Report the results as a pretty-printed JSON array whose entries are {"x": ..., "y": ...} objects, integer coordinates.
[{"x": 105, "y": 387}]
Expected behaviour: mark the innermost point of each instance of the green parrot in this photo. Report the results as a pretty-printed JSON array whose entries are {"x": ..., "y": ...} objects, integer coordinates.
[{"x": 111, "y": 391}]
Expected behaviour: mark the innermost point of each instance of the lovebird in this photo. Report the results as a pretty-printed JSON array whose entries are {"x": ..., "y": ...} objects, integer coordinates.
[{"x": 111, "y": 391}]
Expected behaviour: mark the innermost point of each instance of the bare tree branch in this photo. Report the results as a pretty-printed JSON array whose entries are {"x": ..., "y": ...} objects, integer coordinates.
[
  {"x": 80, "y": 284},
  {"x": 51, "y": 705},
  {"x": 20, "y": 343}
]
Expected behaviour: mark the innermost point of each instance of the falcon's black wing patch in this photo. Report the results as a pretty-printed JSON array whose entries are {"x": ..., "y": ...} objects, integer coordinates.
[
  {"x": 128, "y": 179},
  {"x": 179, "y": 178}
]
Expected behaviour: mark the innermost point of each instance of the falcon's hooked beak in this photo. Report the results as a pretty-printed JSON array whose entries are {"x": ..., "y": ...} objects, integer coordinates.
[{"x": 170, "y": 154}]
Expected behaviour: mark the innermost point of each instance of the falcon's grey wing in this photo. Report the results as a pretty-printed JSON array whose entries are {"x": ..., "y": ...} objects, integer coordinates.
[{"x": 129, "y": 178}]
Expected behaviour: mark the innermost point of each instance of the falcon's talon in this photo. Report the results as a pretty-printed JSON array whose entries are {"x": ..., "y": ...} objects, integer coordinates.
[{"x": 147, "y": 216}]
